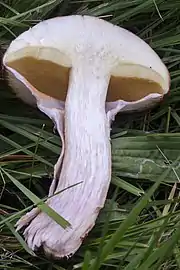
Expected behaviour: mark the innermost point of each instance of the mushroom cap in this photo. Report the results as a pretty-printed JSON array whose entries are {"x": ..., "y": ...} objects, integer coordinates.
[{"x": 47, "y": 52}]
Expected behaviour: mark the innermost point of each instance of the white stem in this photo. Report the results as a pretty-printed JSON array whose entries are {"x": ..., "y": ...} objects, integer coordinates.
[{"x": 87, "y": 158}]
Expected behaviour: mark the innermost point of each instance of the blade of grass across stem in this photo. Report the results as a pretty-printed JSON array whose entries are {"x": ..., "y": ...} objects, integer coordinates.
[
  {"x": 16, "y": 215},
  {"x": 40, "y": 204}
]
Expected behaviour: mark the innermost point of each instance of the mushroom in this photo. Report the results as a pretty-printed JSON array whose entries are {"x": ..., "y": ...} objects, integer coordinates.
[{"x": 81, "y": 71}]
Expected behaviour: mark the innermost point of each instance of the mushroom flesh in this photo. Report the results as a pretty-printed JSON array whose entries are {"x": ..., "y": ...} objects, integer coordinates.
[{"x": 80, "y": 71}]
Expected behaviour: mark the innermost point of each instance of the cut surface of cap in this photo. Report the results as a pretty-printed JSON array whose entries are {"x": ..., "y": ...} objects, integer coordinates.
[{"x": 81, "y": 71}]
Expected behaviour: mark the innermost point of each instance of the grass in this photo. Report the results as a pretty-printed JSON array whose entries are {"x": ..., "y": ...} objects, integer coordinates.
[{"x": 139, "y": 226}]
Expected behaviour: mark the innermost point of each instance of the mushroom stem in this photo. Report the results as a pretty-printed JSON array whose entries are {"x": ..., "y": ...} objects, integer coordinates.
[{"x": 87, "y": 158}]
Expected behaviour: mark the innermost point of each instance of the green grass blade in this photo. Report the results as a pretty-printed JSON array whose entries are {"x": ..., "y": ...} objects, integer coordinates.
[{"x": 40, "y": 204}]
